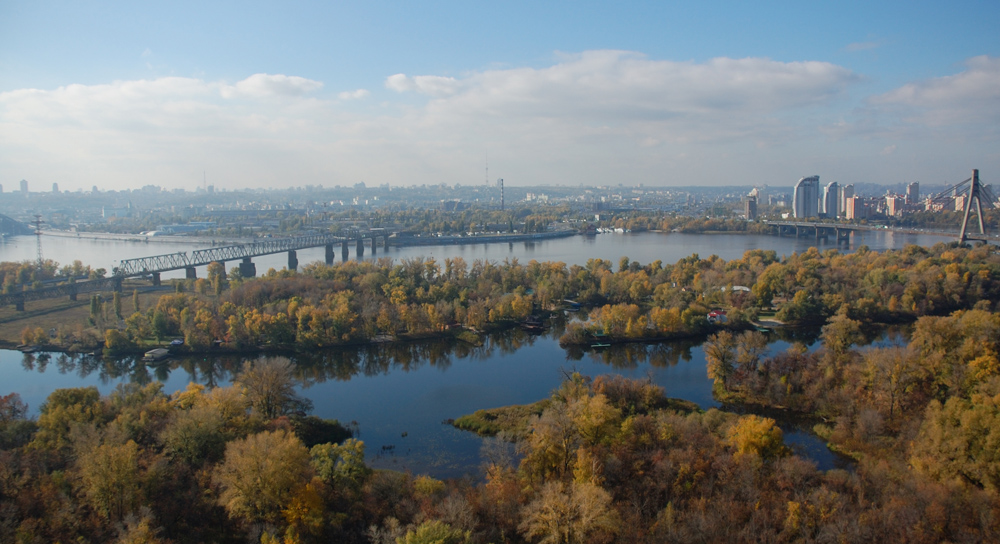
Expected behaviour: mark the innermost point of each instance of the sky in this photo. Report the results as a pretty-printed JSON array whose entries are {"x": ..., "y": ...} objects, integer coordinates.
[{"x": 269, "y": 95}]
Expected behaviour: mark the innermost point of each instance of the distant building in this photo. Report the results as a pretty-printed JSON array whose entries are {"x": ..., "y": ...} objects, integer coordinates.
[
  {"x": 846, "y": 191},
  {"x": 831, "y": 200},
  {"x": 24, "y": 186},
  {"x": 855, "y": 208},
  {"x": 805, "y": 202},
  {"x": 960, "y": 203},
  {"x": 55, "y": 187},
  {"x": 750, "y": 208},
  {"x": 894, "y": 205},
  {"x": 913, "y": 193}
]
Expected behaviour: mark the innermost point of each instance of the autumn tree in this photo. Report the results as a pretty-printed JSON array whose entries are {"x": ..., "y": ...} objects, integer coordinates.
[
  {"x": 570, "y": 513},
  {"x": 111, "y": 479},
  {"x": 753, "y": 434},
  {"x": 260, "y": 474},
  {"x": 720, "y": 353},
  {"x": 269, "y": 387}
]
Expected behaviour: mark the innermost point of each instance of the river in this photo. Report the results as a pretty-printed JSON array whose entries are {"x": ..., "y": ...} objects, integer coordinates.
[{"x": 400, "y": 394}]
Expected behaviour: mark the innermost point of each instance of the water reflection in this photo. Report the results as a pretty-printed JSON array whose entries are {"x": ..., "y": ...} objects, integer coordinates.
[{"x": 408, "y": 388}]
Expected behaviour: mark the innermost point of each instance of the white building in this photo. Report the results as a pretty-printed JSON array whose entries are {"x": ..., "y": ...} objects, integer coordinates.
[
  {"x": 831, "y": 200},
  {"x": 805, "y": 202}
]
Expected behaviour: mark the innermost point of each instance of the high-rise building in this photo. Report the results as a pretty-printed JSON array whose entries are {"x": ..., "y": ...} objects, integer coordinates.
[
  {"x": 55, "y": 187},
  {"x": 855, "y": 208},
  {"x": 24, "y": 186},
  {"x": 846, "y": 191},
  {"x": 750, "y": 210},
  {"x": 913, "y": 193},
  {"x": 894, "y": 205},
  {"x": 831, "y": 200},
  {"x": 806, "y": 198}
]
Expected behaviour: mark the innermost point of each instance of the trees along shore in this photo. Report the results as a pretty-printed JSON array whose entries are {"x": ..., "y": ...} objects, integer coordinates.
[{"x": 378, "y": 300}]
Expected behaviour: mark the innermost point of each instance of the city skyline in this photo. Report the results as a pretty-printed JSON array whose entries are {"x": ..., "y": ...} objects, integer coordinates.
[{"x": 121, "y": 96}]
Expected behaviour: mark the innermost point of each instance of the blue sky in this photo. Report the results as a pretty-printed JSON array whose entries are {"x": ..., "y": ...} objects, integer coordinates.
[{"x": 261, "y": 94}]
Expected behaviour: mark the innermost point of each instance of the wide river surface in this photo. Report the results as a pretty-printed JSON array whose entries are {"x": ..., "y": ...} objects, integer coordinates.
[{"x": 399, "y": 395}]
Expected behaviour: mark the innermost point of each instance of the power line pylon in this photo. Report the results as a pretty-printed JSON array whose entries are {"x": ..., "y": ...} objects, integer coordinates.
[
  {"x": 38, "y": 237},
  {"x": 975, "y": 191}
]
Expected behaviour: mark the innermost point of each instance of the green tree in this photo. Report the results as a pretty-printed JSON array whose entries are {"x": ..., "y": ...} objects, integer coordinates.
[
  {"x": 116, "y": 340},
  {"x": 195, "y": 435},
  {"x": 64, "y": 410},
  {"x": 111, "y": 479},
  {"x": 435, "y": 532},
  {"x": 960, "y": 440},
  {"x": 341, "y": 466}
]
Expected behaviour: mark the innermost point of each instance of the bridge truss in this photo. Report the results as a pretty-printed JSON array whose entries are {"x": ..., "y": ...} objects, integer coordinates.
[{"x": 201, "y": 257}]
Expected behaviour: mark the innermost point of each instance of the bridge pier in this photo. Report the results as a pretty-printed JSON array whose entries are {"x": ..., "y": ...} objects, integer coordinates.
[
  {"x": 822, "y": 233},
  {"x": 247, "y": 268},
  {"x": 72, "y": 292},
  {"x": 344, "y": 251},
  {"x": 361, "y": 247},
  {"x": 374, "y": 245},
  {"x": 190, "y": 273},
  {"x": 293, "y": 260},
  {"x": 329, "y": 254},
  {"x": 156, "y": 279},
  {"x": 843, "y": 236},
  {"x": 118, "y": 285}
]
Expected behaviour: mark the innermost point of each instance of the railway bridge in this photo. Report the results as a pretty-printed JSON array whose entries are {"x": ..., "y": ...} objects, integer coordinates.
[{"x": 155, "y": 265}]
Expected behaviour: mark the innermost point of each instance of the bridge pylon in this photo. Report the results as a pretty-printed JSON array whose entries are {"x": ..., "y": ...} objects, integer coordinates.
[{"x": 975, "y": 191}]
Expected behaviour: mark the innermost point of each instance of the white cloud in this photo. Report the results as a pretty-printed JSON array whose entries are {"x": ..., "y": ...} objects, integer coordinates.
[
  {"x": 593, "y": 117},
  {"x": 970, "y": 98},
  {"x": 888, "y": 150},
  {"x": 436, "y": 86},
  {"x": 354, "y": 95},
  {"x": 268, "y": 85}
]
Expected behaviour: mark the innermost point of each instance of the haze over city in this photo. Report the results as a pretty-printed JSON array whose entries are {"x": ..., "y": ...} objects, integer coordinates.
[{"x": 118, "y": 95}]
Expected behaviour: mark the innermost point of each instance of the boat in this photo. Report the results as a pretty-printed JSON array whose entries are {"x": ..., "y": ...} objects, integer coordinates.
[{"x": 157, "y": 354}]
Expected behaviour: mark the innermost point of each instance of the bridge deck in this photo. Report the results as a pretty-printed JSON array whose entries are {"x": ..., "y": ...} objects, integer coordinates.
[{"x": 202, "y": 257}]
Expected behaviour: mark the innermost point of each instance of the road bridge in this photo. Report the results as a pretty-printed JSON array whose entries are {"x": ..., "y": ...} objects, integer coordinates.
[
  {"x": 824, "y": 231},
  {"x": 14, "y": 227}
]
